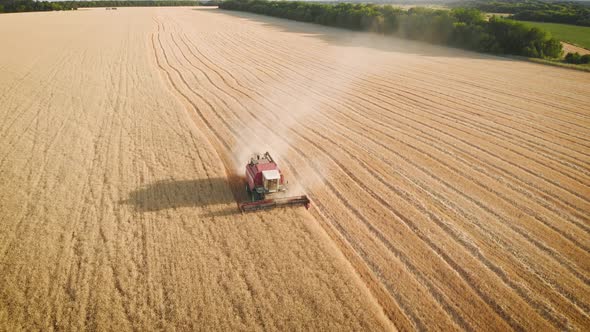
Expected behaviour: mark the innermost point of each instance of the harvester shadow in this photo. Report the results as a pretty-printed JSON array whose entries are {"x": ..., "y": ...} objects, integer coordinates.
[{"x": 172, "y": 194}]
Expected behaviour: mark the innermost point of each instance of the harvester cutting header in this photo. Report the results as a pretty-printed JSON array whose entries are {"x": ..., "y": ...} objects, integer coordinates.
[{"x": 264, "y": 178}]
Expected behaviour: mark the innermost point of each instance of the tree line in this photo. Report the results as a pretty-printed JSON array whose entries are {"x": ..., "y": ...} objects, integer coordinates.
[
  {"x": 577, "y": 59},
  {"x": 460, "y": 27},
  {"x": 576, "y": 13},
  {"x": 12, "y": 6},
  {"x": 15, "y": 6}
]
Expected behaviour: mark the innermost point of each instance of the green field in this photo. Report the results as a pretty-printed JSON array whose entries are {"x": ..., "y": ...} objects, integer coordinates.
[{"x": 573, "y": 34}]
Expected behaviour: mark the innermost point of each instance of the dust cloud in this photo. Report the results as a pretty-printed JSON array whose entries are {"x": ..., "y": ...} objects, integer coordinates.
[{"x": 280, "y": 137}]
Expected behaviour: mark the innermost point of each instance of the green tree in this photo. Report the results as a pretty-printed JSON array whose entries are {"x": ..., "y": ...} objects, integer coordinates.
[{"x": 574, "y": 58}]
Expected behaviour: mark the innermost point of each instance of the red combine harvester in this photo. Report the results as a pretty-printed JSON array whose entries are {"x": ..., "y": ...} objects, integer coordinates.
[{"x": 263, "y": 178}]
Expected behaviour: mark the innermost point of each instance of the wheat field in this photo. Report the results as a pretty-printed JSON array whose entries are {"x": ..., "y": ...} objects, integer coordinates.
[{"x": 450, "y": 190}]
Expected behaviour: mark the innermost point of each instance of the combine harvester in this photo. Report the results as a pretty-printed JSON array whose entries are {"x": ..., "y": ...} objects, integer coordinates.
[{"x": 263, "y": 178}]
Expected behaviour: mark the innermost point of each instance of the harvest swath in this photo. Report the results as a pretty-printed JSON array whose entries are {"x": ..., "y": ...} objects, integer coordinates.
[{"x": 450, "y": 190}]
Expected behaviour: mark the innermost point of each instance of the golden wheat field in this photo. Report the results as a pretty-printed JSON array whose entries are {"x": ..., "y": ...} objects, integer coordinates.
[{"x": 450, "y": 190}]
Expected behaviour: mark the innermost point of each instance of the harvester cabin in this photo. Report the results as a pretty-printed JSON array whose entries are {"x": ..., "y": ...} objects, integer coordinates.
[{"x": 271, "y": 180}]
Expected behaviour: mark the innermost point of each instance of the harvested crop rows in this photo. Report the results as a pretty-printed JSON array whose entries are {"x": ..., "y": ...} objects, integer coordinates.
[{"x": 450, "y": 190}]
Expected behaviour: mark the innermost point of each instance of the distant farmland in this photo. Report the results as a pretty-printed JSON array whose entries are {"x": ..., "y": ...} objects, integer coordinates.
[
  {"x": 574, "y": 34},
  {"x": 450, "y": 190}
]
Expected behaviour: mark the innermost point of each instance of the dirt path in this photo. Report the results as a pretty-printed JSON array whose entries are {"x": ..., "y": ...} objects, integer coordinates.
[
  {"x": 451, "y": 190},
  {"x": 569, "y": 48}
]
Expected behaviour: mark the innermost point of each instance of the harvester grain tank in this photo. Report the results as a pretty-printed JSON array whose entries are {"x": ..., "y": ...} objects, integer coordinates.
[{"x": 264, "y": 183}]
